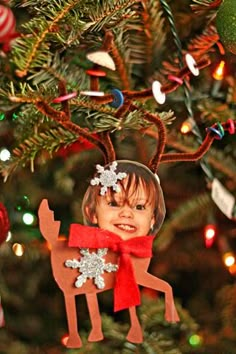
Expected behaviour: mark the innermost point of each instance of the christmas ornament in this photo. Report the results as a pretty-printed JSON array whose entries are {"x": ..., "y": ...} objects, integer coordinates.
[
  {"x": 79, "y": 145},
  {"x": 7, "y": 27},
  {"x": 123, "y": 208},
  {"x": 226, "y": 24},
  {"x": 2, "y": 319},
  {"x": 4, "y": 223}
]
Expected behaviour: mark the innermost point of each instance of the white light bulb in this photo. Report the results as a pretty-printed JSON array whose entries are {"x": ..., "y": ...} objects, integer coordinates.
[
  {"x": 4, "y": 154},
  {"x": 28, "y": 218}
]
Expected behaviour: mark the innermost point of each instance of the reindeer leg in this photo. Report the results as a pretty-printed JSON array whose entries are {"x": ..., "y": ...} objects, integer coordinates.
[
  {"x": 135, "y": 334},
  {"x": 95, "y": 317},
  {"x": 74, "y": 340},
  {"x": 150, "y": 281}
]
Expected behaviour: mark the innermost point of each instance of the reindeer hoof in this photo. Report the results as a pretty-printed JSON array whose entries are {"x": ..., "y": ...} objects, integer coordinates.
[
  {"x": 74, "y": 342},
  {"x": 172, "y": 317},
  {"x": 135, "y": 336},
  {"x": 95, "y": 336}
]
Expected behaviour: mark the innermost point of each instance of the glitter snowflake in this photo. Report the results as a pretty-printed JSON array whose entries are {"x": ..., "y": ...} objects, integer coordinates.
[
  {"x": 91, "y": 265},
  {"x": 108, "y": 178}
]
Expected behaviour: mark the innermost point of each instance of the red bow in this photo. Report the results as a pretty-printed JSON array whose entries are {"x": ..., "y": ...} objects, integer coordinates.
[{"x": 126, "y": 291}]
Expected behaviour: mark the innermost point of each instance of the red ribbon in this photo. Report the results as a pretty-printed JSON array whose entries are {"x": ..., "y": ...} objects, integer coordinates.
[{"x": 126, "y": 291}]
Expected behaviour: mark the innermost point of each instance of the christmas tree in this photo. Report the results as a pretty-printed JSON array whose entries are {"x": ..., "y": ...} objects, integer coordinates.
[{"x": 86, "y": 82}]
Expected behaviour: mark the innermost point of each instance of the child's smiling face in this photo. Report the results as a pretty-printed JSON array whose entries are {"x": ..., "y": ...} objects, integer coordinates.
[{"x": 129, "y": 215}]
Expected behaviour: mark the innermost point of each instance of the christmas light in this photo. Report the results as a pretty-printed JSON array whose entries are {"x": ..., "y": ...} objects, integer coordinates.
[
  {"x": 64, "y": 339},
  {"x": 218, "y": 76},
  {"x": 232, "y": 269},
  {"x": 209, "y": 235},
  {"x": 28, "y": 218},
  {"x": 18, "y": 249},
  {"x": 9, "y": 236},
  {"x": 228, "y": 259},
  {"x": 4, "y": 154},
  {"x": 218, "y": 73},
  {"x": 195, "y": 340},
  {"x": 187, "y": 126}
]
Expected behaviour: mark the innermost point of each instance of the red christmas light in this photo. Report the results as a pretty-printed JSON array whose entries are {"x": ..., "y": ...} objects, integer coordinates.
[{"x": 209, "y": 235}]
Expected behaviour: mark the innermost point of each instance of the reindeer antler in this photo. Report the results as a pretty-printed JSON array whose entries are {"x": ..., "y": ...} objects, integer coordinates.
[
  {"x": 63, "y": 117},
  {"x": 103, "y": 141},
  {"x": 212, "y": 133}
]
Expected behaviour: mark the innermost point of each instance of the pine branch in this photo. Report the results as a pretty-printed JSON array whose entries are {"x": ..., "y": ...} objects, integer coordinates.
[
  {"x": 203, "y": 43},
  {"x": 183, "y": 218},
  {"x": 56, "y": 70},
  {"x": 32, "y": 51},
  {"x": 99, "y": 121},
  {"x": 50, "y": 141},
  {"x": 205, "y": 5},
  {"x": 108, "y": 13},
  {"x": 159, "y": 336},
  {"x": 221, "y": 160},
  {"x": 145, "y": 35},
  {"x": 227, "y": 302},
  {"x": 199, "y": 46}
]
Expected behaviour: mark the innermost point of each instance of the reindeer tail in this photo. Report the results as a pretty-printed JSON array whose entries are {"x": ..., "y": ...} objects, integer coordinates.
[{"x": 48, "y": 226}]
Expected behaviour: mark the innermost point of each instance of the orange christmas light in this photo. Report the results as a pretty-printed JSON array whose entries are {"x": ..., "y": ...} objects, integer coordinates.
[
  {"x": 229, "y": 259},
  {"x": 64, "y": 339},
  {"x": 219, "y": 72},
  {"x": 187, "y": 126}
]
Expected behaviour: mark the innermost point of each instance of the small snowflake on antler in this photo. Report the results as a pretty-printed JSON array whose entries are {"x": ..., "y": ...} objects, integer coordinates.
[
  {"x": 108, "y": 178},
  {"x": 92, "y": 265}
]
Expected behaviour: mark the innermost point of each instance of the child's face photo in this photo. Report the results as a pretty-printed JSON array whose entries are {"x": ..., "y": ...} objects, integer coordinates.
[{"x": 128, "y": 216}]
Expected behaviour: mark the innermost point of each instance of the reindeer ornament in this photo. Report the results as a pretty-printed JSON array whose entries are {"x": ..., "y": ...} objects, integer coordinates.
[{"x": 123, "y": 210}]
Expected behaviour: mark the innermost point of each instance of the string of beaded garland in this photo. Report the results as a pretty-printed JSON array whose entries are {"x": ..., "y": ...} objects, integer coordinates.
[{"x": 117, "y": 97}]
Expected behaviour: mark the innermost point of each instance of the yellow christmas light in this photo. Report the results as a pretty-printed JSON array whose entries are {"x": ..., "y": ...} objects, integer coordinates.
[
  {"x": 228, "y": 259},
  {"x": 18, "y": 249}
]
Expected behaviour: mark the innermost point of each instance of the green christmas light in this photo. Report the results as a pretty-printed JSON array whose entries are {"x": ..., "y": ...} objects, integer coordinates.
[
  {"x": 22, "y": 203},
  {"x": 14, "y": 116},
  {"x": 2, "y": 116},
  {"x": 195, "y": 340}
]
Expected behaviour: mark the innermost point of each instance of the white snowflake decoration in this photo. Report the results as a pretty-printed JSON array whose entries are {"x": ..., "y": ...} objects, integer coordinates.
[
  {"x": 92, "y": 265},
  {"x": 108, "y": 178}
]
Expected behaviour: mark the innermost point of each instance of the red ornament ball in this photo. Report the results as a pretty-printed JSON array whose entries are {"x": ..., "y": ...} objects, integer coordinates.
[
  {"x": 4, "y": 223},
  {"x": 7, "y": 23},
  {"x": 226, "y": 24}
]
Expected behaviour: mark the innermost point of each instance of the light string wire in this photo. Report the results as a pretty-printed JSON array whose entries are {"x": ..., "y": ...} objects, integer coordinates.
[{"x": 188, "y": 102}]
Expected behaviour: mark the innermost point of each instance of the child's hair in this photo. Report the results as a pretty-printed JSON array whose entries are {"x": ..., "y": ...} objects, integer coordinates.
[{"x": 137, "y": 175}]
